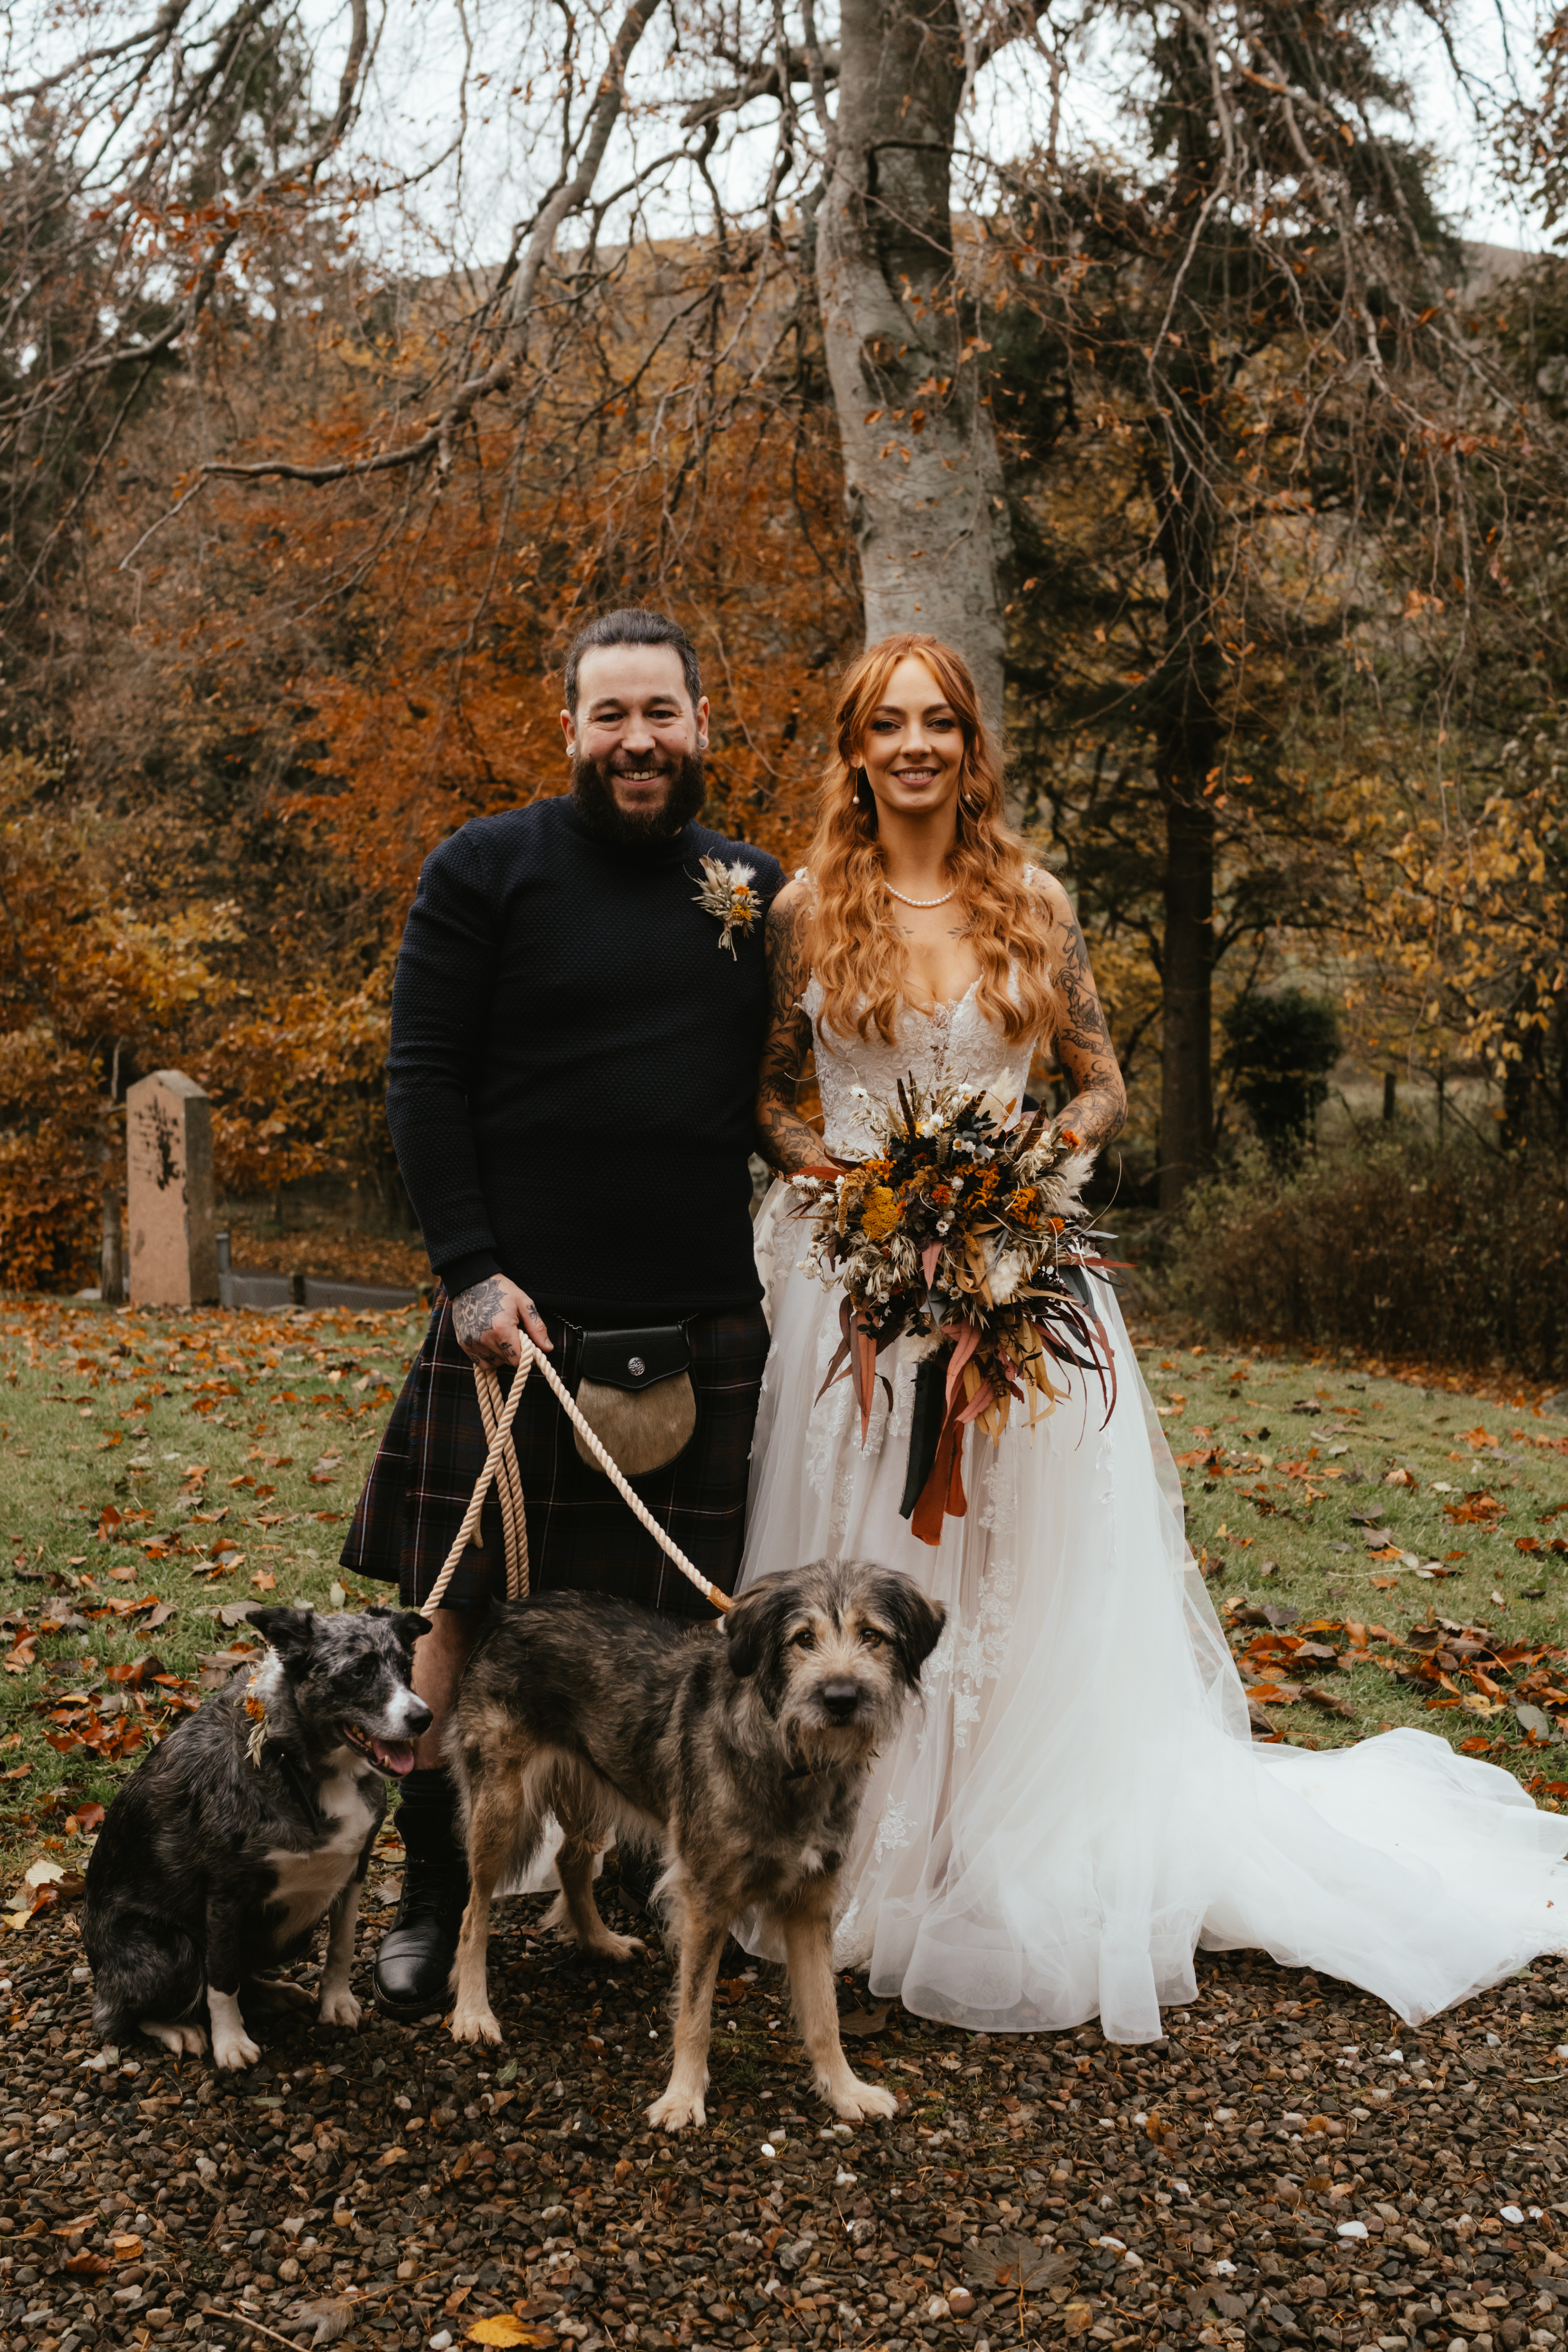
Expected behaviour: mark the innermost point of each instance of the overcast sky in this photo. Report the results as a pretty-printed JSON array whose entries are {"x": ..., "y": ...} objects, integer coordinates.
[{"x": 414, "y": 106}]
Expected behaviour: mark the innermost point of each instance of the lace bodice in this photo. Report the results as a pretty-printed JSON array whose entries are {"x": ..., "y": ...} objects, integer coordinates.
[{"x": 953, "y": 1046}]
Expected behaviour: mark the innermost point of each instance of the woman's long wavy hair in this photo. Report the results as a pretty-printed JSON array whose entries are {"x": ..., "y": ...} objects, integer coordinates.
[{"x": 853, "y": 945}]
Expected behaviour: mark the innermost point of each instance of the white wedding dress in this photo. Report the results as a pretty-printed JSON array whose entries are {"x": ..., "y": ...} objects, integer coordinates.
[{"x": 1075, "y": 1803}]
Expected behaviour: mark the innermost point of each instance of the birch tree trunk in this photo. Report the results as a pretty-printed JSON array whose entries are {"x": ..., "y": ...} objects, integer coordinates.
[{"x": 923, "y": 479}]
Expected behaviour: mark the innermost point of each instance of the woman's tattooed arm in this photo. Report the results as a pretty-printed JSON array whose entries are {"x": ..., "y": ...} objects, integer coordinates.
[
  {"x": 1099, "y": 1106},
  {"x": 785, "y": 1141}
]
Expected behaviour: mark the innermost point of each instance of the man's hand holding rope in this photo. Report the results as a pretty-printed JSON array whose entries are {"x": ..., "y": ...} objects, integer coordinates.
[{"x": 486, "y": 1317}]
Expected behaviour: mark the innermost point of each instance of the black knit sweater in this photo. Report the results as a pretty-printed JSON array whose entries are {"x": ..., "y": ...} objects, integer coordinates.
[{"x": 573, "y": 1067}]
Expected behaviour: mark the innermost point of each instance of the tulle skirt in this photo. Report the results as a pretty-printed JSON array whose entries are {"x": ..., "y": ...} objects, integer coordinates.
[{"x": 1075, "y": 1803}]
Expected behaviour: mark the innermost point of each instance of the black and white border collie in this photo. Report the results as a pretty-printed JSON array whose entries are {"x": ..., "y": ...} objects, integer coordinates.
[{"x": 251, "y": 1822}]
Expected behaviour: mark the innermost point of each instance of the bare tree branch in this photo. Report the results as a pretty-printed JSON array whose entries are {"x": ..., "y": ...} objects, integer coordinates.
[{"x": 568, "y": 197}]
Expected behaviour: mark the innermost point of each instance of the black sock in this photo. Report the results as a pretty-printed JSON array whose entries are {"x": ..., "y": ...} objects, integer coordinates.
[{"x": 426, "y": 1821}]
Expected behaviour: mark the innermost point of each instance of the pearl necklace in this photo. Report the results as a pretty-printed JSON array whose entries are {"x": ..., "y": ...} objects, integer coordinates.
[{"x": 920, "y": 902}]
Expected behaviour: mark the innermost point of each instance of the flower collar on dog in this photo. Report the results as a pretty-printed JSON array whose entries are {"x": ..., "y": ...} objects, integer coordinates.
[
  {"x": 256, "y": 1708},
  {"x": 255, "y": 1745}
]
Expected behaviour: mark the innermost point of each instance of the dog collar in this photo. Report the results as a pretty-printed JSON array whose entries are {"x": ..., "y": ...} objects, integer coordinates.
[{"x": 296, "y": 1781}]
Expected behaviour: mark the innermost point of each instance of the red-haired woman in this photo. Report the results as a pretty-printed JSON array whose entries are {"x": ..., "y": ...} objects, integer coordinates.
[{"x": 1078, "y": 1803}]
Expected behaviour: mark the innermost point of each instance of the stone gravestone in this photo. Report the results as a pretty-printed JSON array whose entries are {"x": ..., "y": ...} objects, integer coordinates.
[{"x": 169, "y": 1191}]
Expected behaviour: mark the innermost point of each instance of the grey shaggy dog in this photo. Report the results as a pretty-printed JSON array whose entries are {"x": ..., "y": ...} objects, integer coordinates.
[
  {"x": 740, "y": 1749},
  {"x": 235, "y": 1838}
]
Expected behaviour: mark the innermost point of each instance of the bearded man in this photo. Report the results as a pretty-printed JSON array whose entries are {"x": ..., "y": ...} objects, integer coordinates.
[{"x": 573, "y": 1070}]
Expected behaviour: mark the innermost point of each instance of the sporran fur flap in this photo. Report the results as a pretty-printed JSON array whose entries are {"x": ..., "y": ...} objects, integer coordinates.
[{"x": 634, "y": 1392}]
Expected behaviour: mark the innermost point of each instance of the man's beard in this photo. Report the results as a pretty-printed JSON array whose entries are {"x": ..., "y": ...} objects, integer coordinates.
[{"x": 594, "y": 796}]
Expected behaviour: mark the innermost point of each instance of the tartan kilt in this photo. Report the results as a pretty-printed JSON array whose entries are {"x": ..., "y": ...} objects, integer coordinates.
[{"x": 581, "y": 1535}]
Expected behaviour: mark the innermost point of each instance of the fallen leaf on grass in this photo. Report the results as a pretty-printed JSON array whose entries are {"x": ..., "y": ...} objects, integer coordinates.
[
  {"x": 1315, "y": 1695},
  {"x": 264, "y": 1581},
  {"x": 137, "y": 1671},
  {"x": 219, "y": 1665},
  {"x": 863, "y": 2022}
]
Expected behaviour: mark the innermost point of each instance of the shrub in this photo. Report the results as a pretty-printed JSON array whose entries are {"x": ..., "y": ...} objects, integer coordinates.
[
  {"x": 1455, "y": 1254},
  {"x": 1280, "y": 1048}
]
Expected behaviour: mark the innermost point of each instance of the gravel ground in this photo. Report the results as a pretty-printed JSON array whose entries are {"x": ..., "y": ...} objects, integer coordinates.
[{"x": 1287, "y": 2168}]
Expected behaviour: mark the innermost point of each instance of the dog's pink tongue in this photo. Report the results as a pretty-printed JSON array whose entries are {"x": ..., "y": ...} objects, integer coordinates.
[{"x": 393, "y": 1755}]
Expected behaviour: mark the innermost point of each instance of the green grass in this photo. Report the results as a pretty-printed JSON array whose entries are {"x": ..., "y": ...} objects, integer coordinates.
[
  {"x": 105, "y": 1417},
  {"x": 105, "y": 1412},
  {"x": 1273, "y": 1529}
]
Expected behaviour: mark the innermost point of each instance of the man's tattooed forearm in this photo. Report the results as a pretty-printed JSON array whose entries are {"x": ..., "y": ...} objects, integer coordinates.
[
  {"x": 786, "y": 1141},
  {"x": 476, "y": 1313},
  {"x": 475, "y": 1309}
]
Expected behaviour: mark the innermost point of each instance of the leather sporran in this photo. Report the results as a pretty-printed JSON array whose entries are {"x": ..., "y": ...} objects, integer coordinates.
[{"x": 634, "y": 1392}]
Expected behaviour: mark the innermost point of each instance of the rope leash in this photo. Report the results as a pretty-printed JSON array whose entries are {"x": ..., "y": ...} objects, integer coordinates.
[{"x": 501, "y": 1461}]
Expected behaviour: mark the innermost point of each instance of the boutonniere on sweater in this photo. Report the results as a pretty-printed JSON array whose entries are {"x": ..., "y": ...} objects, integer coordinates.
[{"x": 727, "y": 893}]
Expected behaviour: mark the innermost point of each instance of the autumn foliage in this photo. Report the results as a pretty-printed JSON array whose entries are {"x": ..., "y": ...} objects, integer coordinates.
[
  {"x": 260, "y": 726},
  {"x": 232, "y": 903}
]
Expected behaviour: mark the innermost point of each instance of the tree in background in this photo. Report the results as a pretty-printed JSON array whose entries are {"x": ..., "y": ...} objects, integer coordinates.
[
  {"x": 1281, "y": 1044},
  {"x": 1249, "y": 424},
  {"x": 1241, "y": 423}
]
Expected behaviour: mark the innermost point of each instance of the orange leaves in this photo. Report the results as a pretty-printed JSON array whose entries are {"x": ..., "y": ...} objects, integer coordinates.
[
  {"x": 1478, "y": 1509},
  {"x": 1279, "y": 1659},
  {"x": 1452, "y": 1666}
]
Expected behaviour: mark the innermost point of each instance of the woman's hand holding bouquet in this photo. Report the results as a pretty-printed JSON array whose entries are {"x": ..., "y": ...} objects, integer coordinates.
[{"x": 971, "y": 1235}]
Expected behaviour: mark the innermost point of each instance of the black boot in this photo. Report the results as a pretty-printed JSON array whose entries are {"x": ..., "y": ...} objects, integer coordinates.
[{"x": 416, "y": 1953}]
